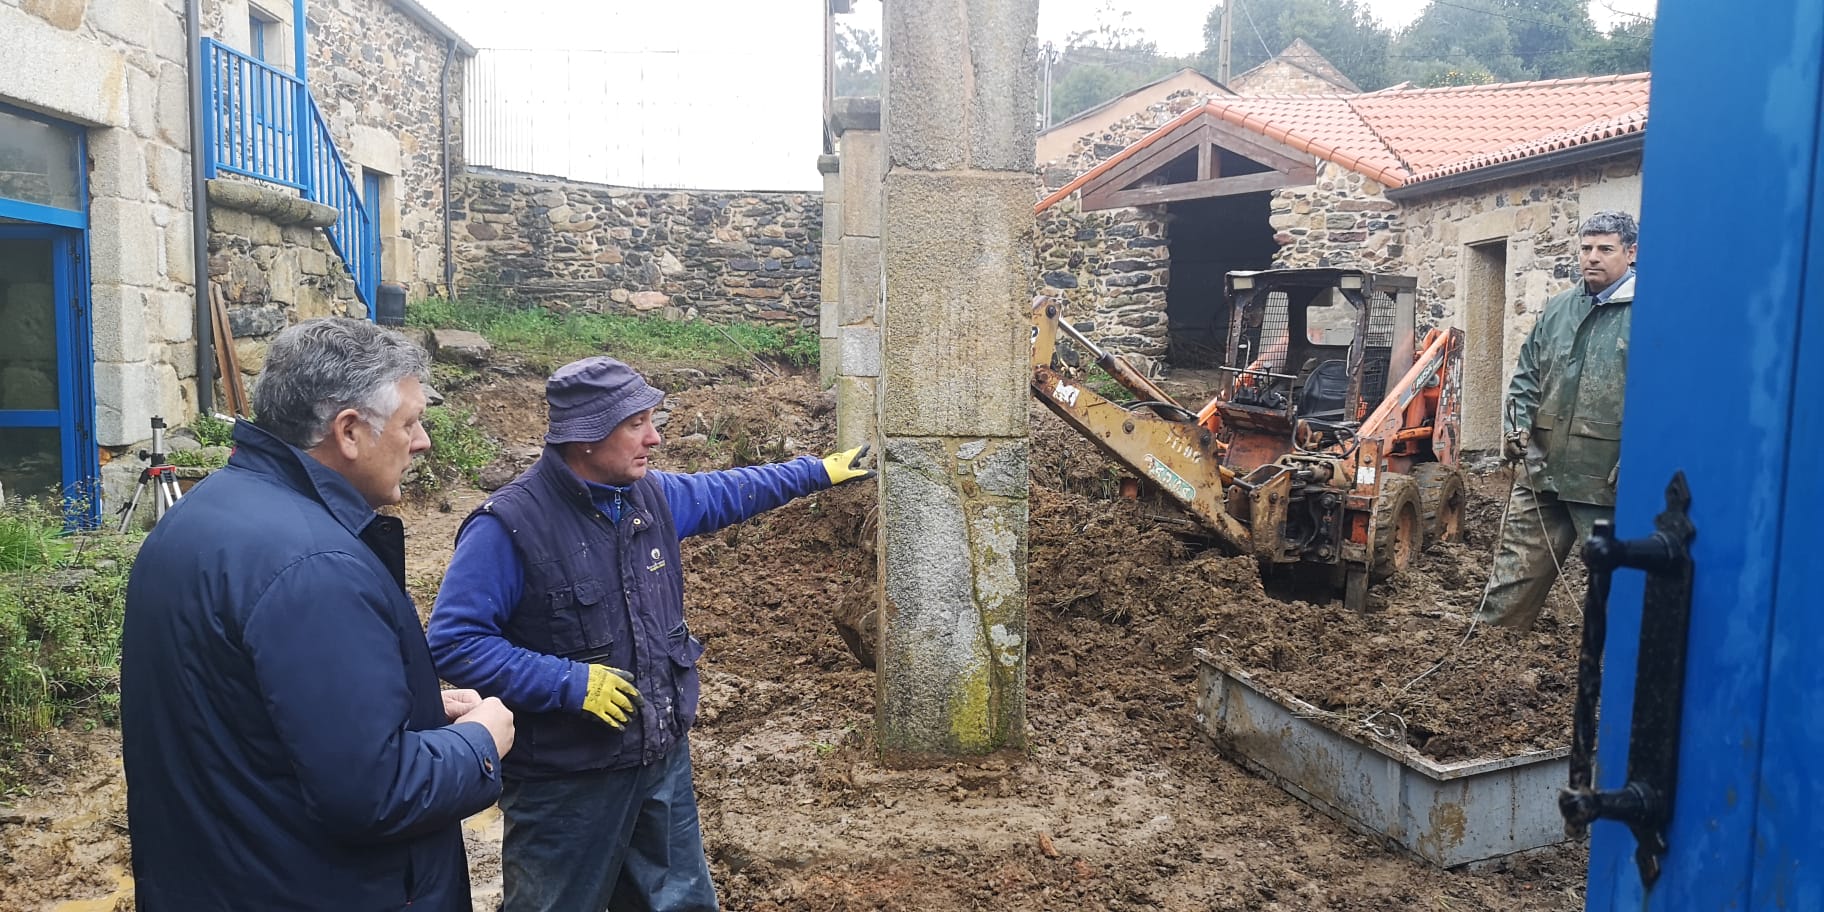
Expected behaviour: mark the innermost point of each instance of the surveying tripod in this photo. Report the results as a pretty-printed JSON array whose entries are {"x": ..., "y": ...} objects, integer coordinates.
[{"x": 159, "y": 476}]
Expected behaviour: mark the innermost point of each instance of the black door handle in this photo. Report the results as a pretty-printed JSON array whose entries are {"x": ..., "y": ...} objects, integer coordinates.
[{"x": 1645, "y": 803}]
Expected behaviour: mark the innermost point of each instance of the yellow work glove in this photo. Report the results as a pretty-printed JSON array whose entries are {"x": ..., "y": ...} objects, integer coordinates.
[
  {"x": 846, "y": 465},
  {"x": 610, "y": 695}
]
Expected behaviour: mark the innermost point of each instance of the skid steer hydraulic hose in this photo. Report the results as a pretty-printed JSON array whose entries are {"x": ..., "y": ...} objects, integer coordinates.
[{"x": 1189, "y": 415}]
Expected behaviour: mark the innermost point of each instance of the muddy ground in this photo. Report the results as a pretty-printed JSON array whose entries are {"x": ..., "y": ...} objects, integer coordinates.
[{"x": 1121, "y": 802}]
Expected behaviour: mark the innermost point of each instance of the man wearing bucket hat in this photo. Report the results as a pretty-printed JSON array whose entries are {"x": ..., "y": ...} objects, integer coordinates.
[{"x": 565, "y": 599}]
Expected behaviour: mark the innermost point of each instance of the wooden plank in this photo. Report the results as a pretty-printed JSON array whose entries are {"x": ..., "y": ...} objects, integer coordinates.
[
  {"x": 227, "y": 360},
  {"x": 1221, "y": 186}
]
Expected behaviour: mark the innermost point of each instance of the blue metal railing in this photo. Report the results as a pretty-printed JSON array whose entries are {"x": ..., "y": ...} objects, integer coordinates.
[
  {"x": 328, "y": 182},
  {"x": 252, "y": 127}
]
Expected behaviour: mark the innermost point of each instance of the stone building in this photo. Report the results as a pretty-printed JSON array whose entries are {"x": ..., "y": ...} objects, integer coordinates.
[
  {"x": 1057, "y": 140},
  {"x": 1297, "y": 70},
  {"x": 1477, "y": 191},
  {"x": 312, "y": 202}
]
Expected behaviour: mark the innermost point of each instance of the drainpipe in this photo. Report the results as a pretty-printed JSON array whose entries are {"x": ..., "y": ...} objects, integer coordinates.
[
  {"x": 443, "y": 111},
  {"x": 199, "y": 214}
]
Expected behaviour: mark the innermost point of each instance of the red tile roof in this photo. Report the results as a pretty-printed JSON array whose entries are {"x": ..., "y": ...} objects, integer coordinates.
[{"x": 1403, "y": 136}]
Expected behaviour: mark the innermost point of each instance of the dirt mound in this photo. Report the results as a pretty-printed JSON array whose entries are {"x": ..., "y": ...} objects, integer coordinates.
[
  {"x": 1121, "y": 803},
  {"x": 1404, "y": 671}
]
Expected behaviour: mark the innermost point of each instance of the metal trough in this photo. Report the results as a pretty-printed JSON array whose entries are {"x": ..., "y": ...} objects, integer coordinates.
[{"x": 1450, "y": 814}]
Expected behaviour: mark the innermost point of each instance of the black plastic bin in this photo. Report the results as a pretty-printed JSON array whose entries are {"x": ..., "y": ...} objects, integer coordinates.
[{"x": 389, "y": 308}]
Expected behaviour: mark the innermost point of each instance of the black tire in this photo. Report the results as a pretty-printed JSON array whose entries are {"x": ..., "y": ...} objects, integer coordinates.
[
  {"x": 1399, "y": 529},
  {"x": 1443, "y": 498}
]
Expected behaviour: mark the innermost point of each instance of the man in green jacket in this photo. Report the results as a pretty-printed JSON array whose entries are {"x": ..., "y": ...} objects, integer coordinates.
[{"x": 1564, "y": 422}]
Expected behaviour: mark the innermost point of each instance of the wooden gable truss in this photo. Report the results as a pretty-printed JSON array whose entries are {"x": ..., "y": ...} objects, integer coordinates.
[{"x": 1144, "y": 178}]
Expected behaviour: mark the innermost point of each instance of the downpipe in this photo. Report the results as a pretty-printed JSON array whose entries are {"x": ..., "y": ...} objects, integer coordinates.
[
  {"x": 443, "y": 112},
  {"x": 199, "y": 214}
]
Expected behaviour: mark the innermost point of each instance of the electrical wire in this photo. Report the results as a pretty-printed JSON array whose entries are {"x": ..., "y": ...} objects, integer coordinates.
[{"x": 1256, "y": 29}]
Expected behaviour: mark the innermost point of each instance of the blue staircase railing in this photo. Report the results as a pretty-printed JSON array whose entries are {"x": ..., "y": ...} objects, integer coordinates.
[{"x": 253, "y": 128}]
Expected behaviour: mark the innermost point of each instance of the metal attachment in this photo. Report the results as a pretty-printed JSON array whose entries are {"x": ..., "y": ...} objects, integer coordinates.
[
  {"x": 159, "y": 476},
  {"x": 1645, "y": 802}
]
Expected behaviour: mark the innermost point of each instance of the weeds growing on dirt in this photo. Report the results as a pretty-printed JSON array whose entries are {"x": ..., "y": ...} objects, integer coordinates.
[
  {"x": 62, "y": 600},
  {"x": 535, "y": 331},
  {"x": 31, "y": 537},
  {"x": 459, "y": 449}
]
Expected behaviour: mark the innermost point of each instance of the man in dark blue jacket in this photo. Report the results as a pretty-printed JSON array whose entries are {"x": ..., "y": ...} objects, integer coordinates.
[
  {"x": 286, "y": 742},
  {"x": 565, "y": 598}
]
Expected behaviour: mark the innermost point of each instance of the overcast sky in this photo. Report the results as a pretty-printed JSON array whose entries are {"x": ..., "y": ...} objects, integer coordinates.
[
  {"x": 1177, "y": 27},
  {"x": 717, "y": 94}
]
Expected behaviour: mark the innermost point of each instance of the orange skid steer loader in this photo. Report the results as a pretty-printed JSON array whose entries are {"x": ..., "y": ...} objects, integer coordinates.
[{"x": 1332, "y": 441}]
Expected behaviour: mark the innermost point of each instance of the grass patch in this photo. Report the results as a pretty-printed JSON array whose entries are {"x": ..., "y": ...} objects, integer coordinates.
[
  {"x": 212, "y": 431},
  {"x": 62, "y": 601},
  {"x": 459, "y": 449},
  {"x": 214, "y": 458},
  {"x": 537, "y": 333}
]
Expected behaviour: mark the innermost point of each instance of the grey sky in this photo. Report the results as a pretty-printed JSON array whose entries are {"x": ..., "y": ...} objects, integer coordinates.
[{"x": 722, "y": 94}]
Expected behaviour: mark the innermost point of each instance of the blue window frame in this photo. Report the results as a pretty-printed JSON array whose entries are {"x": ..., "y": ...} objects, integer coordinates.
[
  {"x": 258, "y": 31},
  {"x": 47, "y": 399}
]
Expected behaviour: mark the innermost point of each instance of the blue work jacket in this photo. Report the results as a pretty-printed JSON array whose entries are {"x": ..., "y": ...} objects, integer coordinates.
[
  {"x": 283, "y": 731},
  {"x": 553, "y": 574}
]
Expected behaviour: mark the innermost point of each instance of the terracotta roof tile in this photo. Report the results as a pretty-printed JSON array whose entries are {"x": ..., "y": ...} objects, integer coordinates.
[
  {"x": 1401, "y": 136},
  {"x": 1632, "y": 122}
]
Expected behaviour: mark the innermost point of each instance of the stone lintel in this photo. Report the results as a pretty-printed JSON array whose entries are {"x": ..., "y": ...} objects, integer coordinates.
[{"x": 280, "y": 206}]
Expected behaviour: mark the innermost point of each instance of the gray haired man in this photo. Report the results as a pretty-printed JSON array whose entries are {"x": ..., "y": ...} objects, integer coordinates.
[
  {"x": 285, "y": 737},
  {"x": 1563, "y": 422}
]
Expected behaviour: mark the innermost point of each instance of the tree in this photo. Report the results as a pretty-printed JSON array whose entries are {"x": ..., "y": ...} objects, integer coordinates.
[
  {"x": 1513, "y": 40},
  {"x": 857, "y": 62},
  {"x": 1344, "y": 31},
  {"x": 1102, "y": 62}
]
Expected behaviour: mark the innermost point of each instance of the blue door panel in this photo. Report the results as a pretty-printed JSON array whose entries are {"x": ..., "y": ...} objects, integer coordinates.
[
  {"x": 1789, "y": 828},
  {"x": 1725, "y": 250}
]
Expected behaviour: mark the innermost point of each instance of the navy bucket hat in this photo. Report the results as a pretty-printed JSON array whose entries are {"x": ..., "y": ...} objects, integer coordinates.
[{"x": 591, "y": 397}]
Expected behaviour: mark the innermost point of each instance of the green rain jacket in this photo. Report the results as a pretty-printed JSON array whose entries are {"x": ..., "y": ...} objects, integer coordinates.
[{"x": 1567, "y": 389}]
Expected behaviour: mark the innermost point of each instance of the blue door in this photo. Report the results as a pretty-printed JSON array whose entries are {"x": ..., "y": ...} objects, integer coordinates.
[
  {"x": 47, "y": 405},
  {"x": 1726, "y": 384},
  {"x": 370, "y": 203}
]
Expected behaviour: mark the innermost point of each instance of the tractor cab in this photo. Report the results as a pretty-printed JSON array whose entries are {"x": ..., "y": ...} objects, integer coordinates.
[{"x": 1310, "y": 354}]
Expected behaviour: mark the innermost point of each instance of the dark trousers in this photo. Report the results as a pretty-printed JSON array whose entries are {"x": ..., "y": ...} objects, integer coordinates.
[{"x": 623, "y": 840}]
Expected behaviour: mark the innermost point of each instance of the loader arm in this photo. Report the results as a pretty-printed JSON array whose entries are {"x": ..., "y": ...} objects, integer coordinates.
[
  {"x": 1424, "y": 404},
  {"x": 1158, "y": 439}
]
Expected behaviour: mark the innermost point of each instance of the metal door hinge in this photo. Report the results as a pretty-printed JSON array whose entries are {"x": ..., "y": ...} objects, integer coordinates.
[{"x": 1645, "y": 802}]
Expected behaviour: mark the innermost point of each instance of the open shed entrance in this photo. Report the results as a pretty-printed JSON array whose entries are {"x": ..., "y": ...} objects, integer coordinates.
[
  {"x": 1208, "y": 238},
  {"x": 1216, "y": 181}
]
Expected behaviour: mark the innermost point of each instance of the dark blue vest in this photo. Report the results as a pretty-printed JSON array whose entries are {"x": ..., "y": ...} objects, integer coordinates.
[{"x": 602, "y": 593}]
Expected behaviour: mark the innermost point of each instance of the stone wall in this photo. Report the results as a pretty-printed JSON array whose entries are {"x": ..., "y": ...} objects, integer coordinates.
[
  {"x": 1110, "y": 266},
  {"x": 119, "y": 67},
  {"x": 274, "y": 265},
  {"x": 1343, "y": 220},
  {"x": 1282, "y": 77},
  {"x": 717, "y": 255},
  {"x": 376, "y": 74}
]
